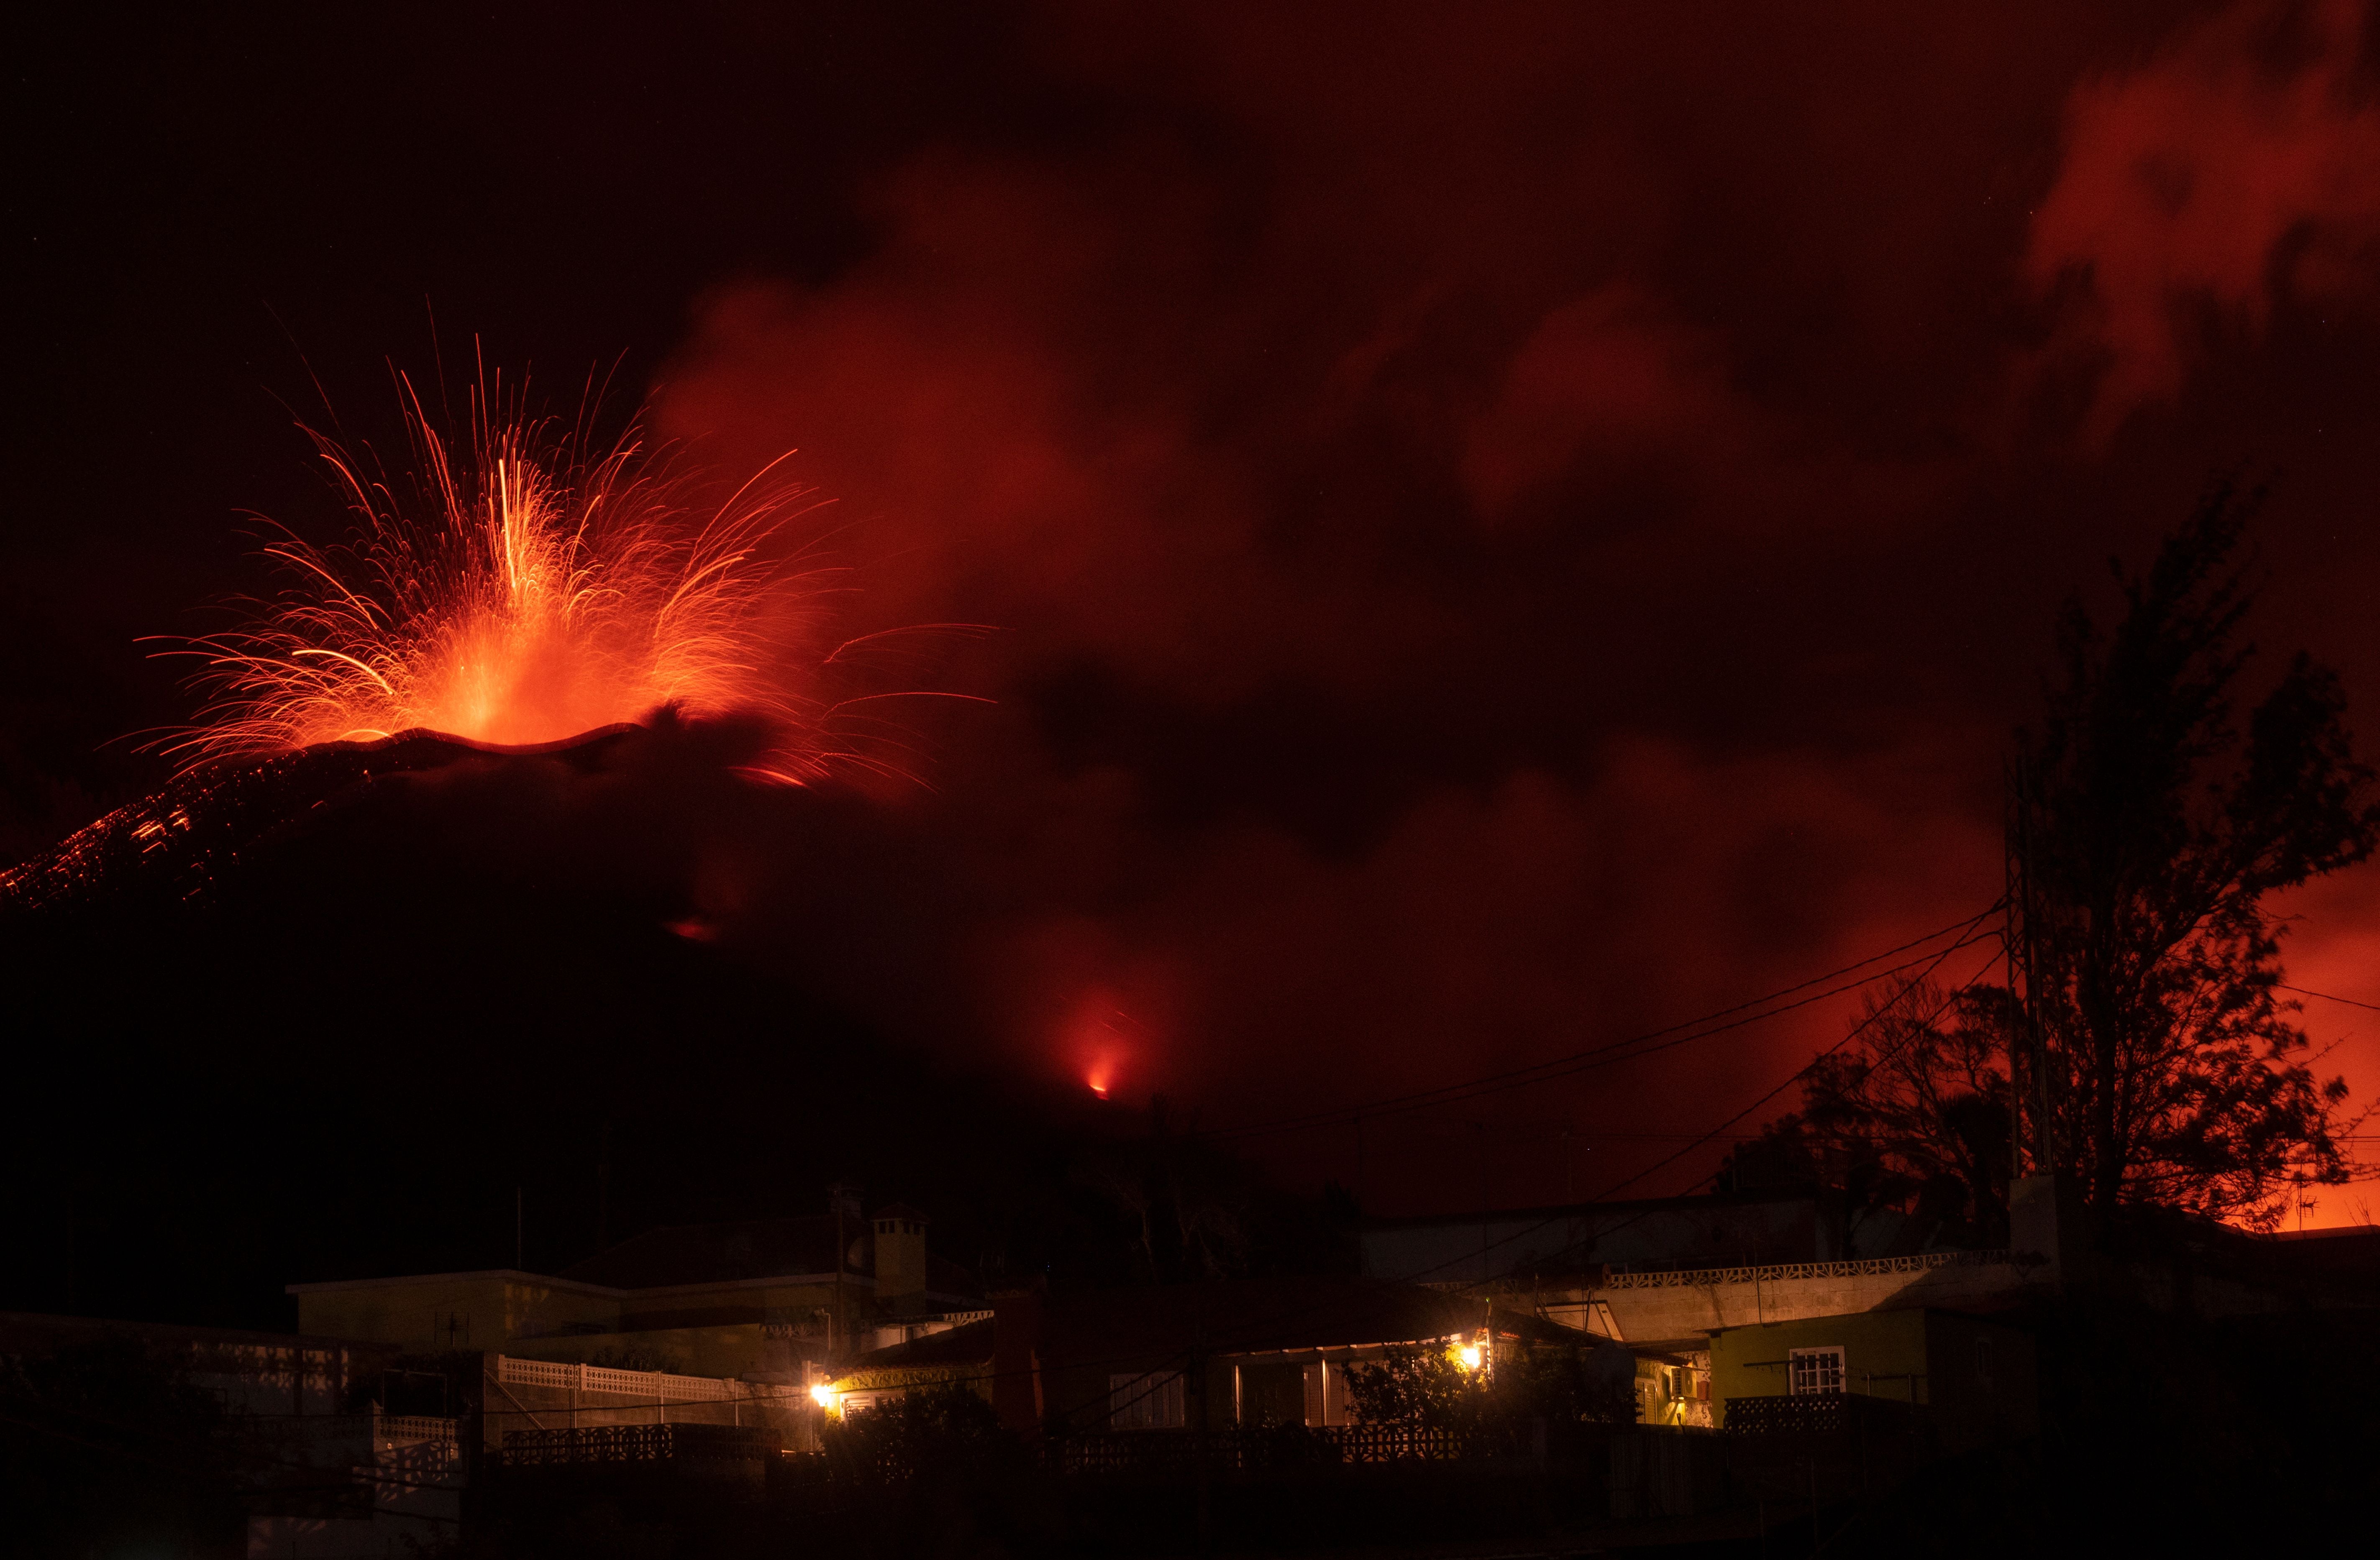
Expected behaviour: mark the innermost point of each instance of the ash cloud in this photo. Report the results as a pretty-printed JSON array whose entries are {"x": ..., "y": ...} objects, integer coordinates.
[
  {"x": 2237, "y": 168},
  {"x": 1509, "y": 524},
  {"x": 1509, "y": 530}
]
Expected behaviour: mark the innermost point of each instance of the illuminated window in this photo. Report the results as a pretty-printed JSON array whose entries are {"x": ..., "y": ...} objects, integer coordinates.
[
  {"x": 1816, "y": 1370},
  {"x": 1146, "y": 1402}
]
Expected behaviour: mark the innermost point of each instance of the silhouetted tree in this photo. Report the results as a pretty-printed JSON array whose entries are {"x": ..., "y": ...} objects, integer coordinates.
[
  {"x": 2157, "y": 830},
  {"x": 923, "y": 1433},
  {"x": 1427, "y": 1386},
  {"x": 1913, "y": 1118}
]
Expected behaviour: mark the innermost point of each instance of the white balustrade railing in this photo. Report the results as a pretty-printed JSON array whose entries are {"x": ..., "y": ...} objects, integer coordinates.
[
  {"x": 649, "y": 1387},
  {"x": 1706, "y": 1277},
  {"x": 405, "y": 1428}
]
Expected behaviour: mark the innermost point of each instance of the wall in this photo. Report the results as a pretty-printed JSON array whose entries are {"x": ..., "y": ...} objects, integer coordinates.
[
  {"x": 747, "y": 1349},
  {"x": 1923, "y": 1357},
  {"x": 740, "y": 1303},
  {"x": 452, "y": 1311},
  {"x": 1883, "y": 1355}
]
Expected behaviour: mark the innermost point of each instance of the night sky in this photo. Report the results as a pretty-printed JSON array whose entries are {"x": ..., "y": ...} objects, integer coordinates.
[{"x": 1507, "y": 526}]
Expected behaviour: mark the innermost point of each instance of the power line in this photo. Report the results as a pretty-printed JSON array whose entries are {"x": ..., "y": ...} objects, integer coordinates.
[
  {"x": 1616, "y": 1051},
  {"x": 2345, "y": 1001},
  {"x": 1853, "y": 1034}
]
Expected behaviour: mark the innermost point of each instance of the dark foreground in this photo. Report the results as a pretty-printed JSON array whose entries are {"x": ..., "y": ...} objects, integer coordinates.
[{"x": 2158, "y": 1432}]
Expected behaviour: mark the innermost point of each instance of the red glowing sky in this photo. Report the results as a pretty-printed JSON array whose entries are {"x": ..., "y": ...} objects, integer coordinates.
[{"x": 1513, "y": 524}]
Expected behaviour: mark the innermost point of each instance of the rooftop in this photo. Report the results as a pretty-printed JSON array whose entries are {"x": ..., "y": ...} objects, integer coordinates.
[{"x": 969, "y": 1344}]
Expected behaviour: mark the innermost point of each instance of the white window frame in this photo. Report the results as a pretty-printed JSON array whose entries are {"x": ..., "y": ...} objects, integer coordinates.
[{"x": 1815, "y": 1372}]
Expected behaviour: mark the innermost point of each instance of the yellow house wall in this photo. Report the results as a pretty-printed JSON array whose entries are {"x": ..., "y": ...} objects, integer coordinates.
[
  {"x": 1883, "y": 1355},
  {"x": 1925, "y": 1357},
  {"x": 488, "y": 1312}
]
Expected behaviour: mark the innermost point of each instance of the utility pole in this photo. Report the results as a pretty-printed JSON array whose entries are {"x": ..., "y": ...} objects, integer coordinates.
[
  {"x": 2012, "y": 931},
  {"x": 2045, "y": 1137},
  {"x": 2019, "y": 944},
  {"x": 845, "y": 1198}
]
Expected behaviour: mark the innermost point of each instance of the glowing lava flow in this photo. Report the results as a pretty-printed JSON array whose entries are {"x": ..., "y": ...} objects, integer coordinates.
[{"x": 525, "y": 597}]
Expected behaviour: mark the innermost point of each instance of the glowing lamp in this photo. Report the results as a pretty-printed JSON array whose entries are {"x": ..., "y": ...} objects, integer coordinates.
[
  {"x": 1469, "y": 1355},
  {"x": 824, "y": 1394}
]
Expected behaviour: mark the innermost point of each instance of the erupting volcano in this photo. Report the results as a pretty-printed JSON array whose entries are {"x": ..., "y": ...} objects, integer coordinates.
[
  {"x": 525, "y": 594},
  {"x": 531, "y": 595}
]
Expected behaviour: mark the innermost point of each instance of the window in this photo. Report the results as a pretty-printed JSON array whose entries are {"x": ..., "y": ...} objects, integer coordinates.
[
  {"x": 1814, "y": 1370},
  {"x": 1146, "y": 1402}
]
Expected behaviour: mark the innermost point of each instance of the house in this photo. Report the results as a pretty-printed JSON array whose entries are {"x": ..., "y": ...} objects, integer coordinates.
[
  {"x": 1667, "y": 1276},
  {"x": 1245, "y": 1352},
  {"x": 1974, "y": 1377},
  {"x": 761, "y": 1299}
]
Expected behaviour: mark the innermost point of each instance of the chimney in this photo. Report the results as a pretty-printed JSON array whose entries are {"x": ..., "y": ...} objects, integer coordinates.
[{"x": 900, "y": 1255}]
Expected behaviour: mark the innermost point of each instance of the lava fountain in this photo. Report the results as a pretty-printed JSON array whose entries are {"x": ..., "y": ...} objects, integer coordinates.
[{"x": 523, "y": 593}]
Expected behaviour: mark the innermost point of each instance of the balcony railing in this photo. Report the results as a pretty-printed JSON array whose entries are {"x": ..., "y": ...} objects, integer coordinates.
[
  {"x": 645, "y": 1386},
  {"x": 411, "y": 1430},
  {"x": 1708, "y": 1277},
  {"x": 1820, "y": 1413}
]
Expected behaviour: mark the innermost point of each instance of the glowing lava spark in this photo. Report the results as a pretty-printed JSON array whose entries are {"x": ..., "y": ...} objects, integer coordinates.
[{"x": 524, "y": 595}]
